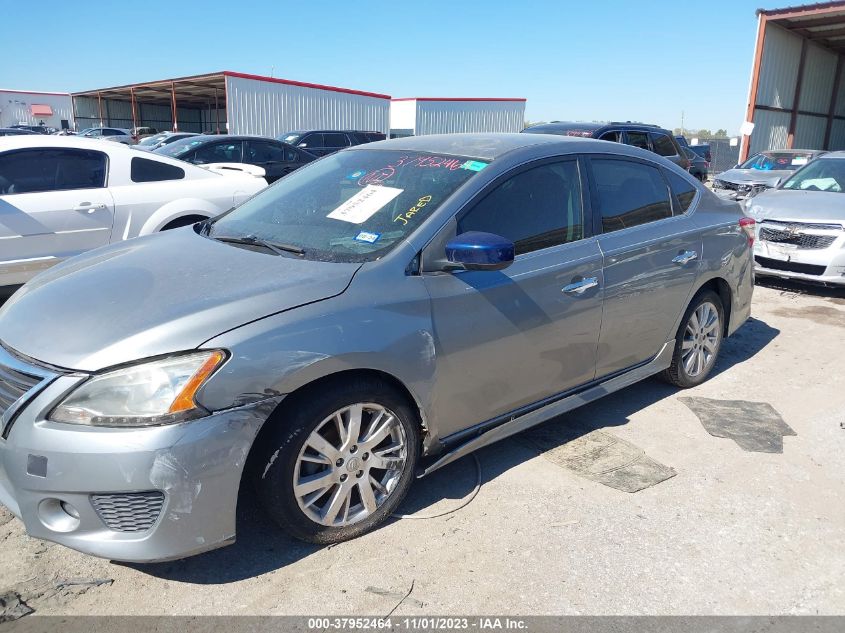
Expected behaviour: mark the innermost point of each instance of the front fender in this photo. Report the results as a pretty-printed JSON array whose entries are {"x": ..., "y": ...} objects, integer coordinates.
[
  {"x": 279, "y": 354},
  {"x": 178, "y": 209}
]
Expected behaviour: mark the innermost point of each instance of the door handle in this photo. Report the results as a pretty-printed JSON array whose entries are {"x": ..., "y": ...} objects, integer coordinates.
[
  {"x": 684, "y": 258},
  {"x": 90, "y": 208},
  {"x": 582, "y": 286}
]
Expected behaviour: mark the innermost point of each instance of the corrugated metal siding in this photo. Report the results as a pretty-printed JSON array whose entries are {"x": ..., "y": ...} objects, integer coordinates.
[
  {"x": 15, "y": 109},
  {"x": 271, "y": 109},
  {"x": 837, "y": 135},
  {"x": 446, "y": 117},
  {"x": 770, "y": 130},
  {"x": 119, "y": 114},
  {"x": 809, "y": 132},
  {"x": 817, "y": 84},
  {"x": 839, "y": 107},
  {"x": 779, "y": 68}
]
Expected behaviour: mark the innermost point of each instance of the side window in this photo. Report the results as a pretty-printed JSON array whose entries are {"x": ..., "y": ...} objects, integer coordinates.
[
  {"x": 47, "y": 169},
  {"x": 335, "y": 140},
  {"x": 683, "y": 189},
  {"x": 535, "y": 209},
  {"x": 663, "y": 145},
  {"x": 613, "y": 135},
  {"x": 263, "y": 152},
  {"x": 629, "y": 194},
  {"x": 291, "y": 155},
  {"x": 638, "y": 139},
  {"x": 146, "y": 170},
  {"x": 312, "y": 141},
  {"x": 218, "y": 153}
]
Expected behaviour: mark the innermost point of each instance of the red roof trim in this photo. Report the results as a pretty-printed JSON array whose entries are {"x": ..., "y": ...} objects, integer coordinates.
[
  {"x": 36, "y": 92},
  {"x": 229, "y": 73},
  {"x": 457, "y": 99}
]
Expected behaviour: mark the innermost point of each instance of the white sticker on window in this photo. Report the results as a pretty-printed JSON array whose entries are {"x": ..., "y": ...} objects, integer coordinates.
[
  {"x": 800, "y": 160},
  {"x": 361, "y": 207}
]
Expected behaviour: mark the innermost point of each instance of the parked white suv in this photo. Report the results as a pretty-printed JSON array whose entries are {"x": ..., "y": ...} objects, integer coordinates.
[{"x": 61, "y": 196}]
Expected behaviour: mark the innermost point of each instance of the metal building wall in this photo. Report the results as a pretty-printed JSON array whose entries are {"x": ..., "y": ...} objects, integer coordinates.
[
  {"x": 792, "y": 111},
  {"x": 15, "y": 108},
  {"x": 271, "y": 108},
  {"x": 447, "y": 116},
  {"x": 119, "y": 114}
]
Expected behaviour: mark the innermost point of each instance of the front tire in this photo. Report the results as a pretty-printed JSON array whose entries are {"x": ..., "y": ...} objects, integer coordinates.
[
  {"x": 697, "y": 342},
  {"x": 340, "y": 461}
]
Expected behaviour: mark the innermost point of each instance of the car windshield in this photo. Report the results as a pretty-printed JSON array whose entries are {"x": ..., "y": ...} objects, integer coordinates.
[
  {"x": 177, "y": 148},
  {"x": 353, "y": 206},
  {"x": 290, "y": 138},
  {"x": 767, "y": 161},
  {"x": 152, "y": 140},
  {"x": 823, "y": 174}
]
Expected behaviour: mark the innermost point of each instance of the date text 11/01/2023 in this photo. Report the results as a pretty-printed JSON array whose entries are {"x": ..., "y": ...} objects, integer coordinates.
[{"x": 426, "y": 623}]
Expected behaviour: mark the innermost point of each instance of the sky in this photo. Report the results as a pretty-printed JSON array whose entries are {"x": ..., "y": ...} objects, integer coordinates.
[{"x": 595, "y": 60}]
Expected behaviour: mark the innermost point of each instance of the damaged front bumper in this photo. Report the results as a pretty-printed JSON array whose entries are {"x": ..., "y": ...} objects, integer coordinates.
[{"x": 138, "y": 494}]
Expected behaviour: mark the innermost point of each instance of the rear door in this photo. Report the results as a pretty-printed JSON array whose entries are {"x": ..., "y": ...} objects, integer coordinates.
[
  {"x": 507, "y": 339},
  {"x": 651, "y": 254},
  {"x": 334, "y": 141},
  {"x": 53, "y": 204}
]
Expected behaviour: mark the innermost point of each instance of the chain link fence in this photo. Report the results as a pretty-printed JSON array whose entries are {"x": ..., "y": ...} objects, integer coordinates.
[{"x": 723, "y": 156}]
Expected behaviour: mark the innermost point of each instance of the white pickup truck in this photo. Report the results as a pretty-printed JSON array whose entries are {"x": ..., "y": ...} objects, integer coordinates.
[{"x": 61, "y": 196}]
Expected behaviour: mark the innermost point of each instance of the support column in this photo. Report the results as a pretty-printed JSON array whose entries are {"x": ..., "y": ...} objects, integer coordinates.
[
  {"x": 793, "y": 119},
  {"x": 832, "y": 110},
  {"x": 755, "y": 80}
]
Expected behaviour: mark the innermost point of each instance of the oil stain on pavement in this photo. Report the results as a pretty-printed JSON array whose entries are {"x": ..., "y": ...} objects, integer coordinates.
[
  {"x": 599, "y": 457},
  {"x": 754, "y": 426}
]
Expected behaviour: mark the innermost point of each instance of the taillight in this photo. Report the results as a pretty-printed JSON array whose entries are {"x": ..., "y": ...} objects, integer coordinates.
[{"x": 747, "y": 225}]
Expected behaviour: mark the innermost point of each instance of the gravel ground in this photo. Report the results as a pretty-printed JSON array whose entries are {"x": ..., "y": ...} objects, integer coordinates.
[{"x": 721, "y": 529}]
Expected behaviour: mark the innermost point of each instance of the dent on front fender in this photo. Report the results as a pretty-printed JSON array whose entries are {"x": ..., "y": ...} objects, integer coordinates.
[{"x": 282, "y": 353}]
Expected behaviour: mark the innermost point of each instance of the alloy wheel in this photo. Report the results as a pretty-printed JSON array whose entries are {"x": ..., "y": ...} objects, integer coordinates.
[
  {"x": 701, "y": 340},
  {"x": 350, "y": 464}
]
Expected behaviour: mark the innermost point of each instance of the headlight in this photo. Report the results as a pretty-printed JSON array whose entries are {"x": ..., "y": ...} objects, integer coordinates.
[{"x": 148, "y": 394}]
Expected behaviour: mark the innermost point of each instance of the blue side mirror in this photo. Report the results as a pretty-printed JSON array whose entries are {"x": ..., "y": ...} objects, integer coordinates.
[{"x": 475, "y": 250}]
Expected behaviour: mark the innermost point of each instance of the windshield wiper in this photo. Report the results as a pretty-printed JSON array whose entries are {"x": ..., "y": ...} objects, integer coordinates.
[{"x": 253, "y": 240}]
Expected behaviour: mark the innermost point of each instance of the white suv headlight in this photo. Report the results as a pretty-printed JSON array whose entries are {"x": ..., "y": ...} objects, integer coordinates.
[{"x": 148, "y": 394}]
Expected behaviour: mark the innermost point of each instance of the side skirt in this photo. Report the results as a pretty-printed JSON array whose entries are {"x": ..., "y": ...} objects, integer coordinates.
[{"x": 518, "y": 423}]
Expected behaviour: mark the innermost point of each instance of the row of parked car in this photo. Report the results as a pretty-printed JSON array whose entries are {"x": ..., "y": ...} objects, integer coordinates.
[{"x": 693, "y": 158}]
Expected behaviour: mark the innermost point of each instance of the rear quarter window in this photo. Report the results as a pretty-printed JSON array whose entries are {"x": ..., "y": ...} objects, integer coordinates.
[
  {"x": 145, "y": 170},
  {"x": 683, "y": 189}
]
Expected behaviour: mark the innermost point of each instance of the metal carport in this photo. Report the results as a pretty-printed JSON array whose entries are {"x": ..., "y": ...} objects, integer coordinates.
[{"x": 797, "y": 92}]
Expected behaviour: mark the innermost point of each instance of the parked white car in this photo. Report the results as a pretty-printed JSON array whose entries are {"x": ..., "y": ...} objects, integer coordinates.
[{"x": 61, "y": 196}]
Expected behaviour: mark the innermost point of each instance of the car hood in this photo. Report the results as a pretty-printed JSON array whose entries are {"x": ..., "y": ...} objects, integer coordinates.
[
  {"x": 754, "y": 176},
  {"x": 155, "y": 295},
  {"x": 801, "y": 206}
]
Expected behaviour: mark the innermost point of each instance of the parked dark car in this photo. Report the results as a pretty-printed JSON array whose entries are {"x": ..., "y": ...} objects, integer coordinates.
[
  {"x": 699, "y": 167},
  {"x": 323, "y": 142},
  {"x": 703, "y": 150},
  {"x": 151, "y": 143},
  {"x": 35, "y": 129},
  {"x": 277, "y": 158},
  {"x": 14, "y": 131},
  {"x": 643, "y": 135}
]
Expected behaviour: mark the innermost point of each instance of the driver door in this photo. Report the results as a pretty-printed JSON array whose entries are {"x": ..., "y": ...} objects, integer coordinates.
[
  {"x": 507, "y": 339},
  {"x": 54, "y": 204}
]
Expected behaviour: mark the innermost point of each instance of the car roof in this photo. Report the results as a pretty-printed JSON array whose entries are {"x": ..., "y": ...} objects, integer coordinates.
[
  {"x": 27, "y": 141},
  {"x": 839, "y": 154},
  {"x": 592, "y": 126},
  {"x": 492, "y": 146}
]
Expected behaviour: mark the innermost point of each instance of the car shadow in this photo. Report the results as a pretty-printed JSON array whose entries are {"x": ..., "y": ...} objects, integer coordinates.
[
  {"x": 261, "y": 547},
  {"x": 797, "y": 287}
]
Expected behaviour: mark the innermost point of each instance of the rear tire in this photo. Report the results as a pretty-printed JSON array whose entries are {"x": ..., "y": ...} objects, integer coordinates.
[
  {"x": 340, "y": 461},
  {"x": 697, "y": 342}
]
